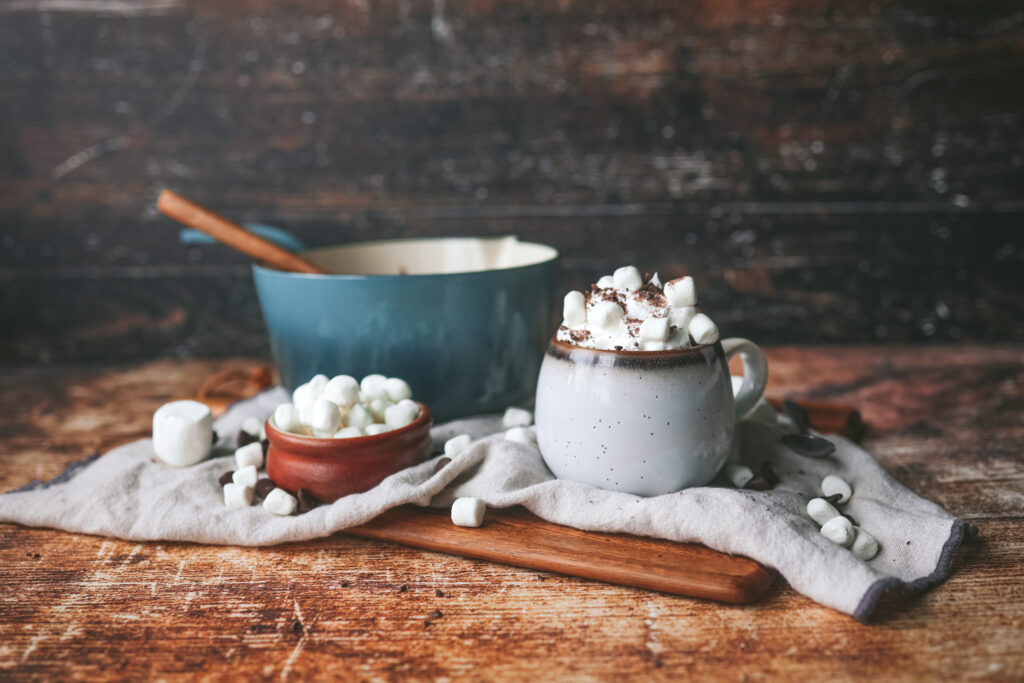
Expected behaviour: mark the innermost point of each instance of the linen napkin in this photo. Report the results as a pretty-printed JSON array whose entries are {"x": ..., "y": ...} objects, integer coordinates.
[{"x": 128, "y": 494}]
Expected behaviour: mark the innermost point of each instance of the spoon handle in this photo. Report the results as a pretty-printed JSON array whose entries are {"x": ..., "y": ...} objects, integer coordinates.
[{"x": 185, "y": 211}]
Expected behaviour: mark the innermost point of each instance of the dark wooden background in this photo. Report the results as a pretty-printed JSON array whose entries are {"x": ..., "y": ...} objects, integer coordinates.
[{"x": 830, "y": 172}]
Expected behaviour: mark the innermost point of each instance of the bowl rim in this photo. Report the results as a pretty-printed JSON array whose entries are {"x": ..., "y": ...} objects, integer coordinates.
[
  {"x": 553, "y": 257},
  {"x": 325, "y": 442}
]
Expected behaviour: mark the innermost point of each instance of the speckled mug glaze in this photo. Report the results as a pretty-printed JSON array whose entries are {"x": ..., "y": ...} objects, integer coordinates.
[{"x": 649, "y": 422}]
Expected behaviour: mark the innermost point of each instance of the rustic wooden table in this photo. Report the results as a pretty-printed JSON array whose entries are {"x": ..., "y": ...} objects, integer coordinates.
[{"x": 946, "y": 421}]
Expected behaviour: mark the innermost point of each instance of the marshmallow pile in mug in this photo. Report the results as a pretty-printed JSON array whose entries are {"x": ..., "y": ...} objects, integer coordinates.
[
  {"x": 623, "y": 313},
  {"x": 341, "y": 407}
]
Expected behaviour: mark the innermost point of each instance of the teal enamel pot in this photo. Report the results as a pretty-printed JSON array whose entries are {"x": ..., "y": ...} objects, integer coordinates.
[{"x": 464, "y": 320}]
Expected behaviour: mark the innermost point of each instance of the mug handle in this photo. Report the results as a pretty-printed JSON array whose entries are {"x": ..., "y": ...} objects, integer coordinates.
[{"x": 755, "y": 372}]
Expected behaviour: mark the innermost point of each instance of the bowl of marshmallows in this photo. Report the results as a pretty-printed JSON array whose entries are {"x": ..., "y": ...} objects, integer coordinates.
[{"x": 340, "y": 436}]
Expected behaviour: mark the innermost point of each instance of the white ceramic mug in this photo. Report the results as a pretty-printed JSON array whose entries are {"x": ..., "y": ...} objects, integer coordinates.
[{"x": 644, "y": 422}]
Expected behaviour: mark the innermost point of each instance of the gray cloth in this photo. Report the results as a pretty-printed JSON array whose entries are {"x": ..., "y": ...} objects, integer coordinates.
[{"x": 128, "y": 494}]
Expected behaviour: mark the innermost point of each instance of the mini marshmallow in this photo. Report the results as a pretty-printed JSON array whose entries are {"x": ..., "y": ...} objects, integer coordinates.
[
  {"x": 468, "y": 512},
  {"x": 821, "y": 511},
  {"x": 654, "y": 330},
  {"x": 249, "y": 454},
  {"x": 317, "y": 384},
  {"x": 280, "y": 502},
  {"x": 864, "y": 547},
  {"x": 457, "y": 444},
  {"x": 349, "y": 432},
  {"x": 237, "y": 495},
  {"x": 681, "y": 317},
  {"x": 401, "y": 414},
  {"x": 703, "y": 329},
  {"x": 628, "y": 278},
  {"x": 606, "y": 282},
  {"x": 372, "y": 387},
  {"x": 574, "y": 309},
  {"x": 326, "y": 417},
  {"x": 342, "y": 390},
  {"x": 303, "y": 395},
  {"x": 521, "y": 435},
  {"x": 306, "y": 412},
  {"x": 252, "y": 426},
  {"x": 263, "y": 431},
  {"x": 681, "y": 292},
  {"x": 606, "y": 315},
  {"x": 832, "y": 485},
  {"x": 374, "y": 429},
  {"x": 397, "y": 389},
  {"x": 378, "y": 407},
  {"x": 653, "y": 346},
  {"x": 245, "y": 476},
  {"x": 739, "y": 475},
  {"x": 516, "y": 417},
  {"x": 838, "y": 530},
  {"x": 286, "y": 417},
  {"x": 655, "y": 280},
  {"x": 359, "y": 417},
  {"x": 182, "y": 432}
]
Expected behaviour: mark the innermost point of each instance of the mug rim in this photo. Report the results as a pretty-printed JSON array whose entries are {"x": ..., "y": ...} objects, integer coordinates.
[
  {"x": 685, "y": 355},
  {"x": 679, "y": 351}
]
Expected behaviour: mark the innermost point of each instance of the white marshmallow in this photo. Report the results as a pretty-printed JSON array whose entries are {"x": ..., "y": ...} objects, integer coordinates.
[
  {"x": 521, "y": 435},
  {"x": 654, "y": 330},
  {"x": 306, "y": 413},
  {"x": 821, "y": 511},
  {"x": 349, "y": 432},
  {"x": 237, "y": 495},
  {"x": 342, "y": 390},
  {"x": 864, "y": 547},
  {"x": 606, "y": 315},
  {"x": 326, "y": 417},
  {"x": 574, "y": 309},
  {"x": 468, "y": 512},
  {"x": 303, "y": 394},
  {"x": 832, "y": 485},
  {"x": 378, "y": 407},
  {"x": 317, "y": 384},
  {"x": 359, "y": 417},
  {"x": 372, "y": 387},
  {"x": 681, "y": 292},
  {"x": 653, "y": 346},
  {"x": 286, "y": 417},
  {"x": 252, "y": 426},
  {"x": 516, "y": 417},
  {"x": 401, "y": 414},
  {"x": 628, "y": 278},
  {"x": 182, "y": 432},
  {"x": 703, "y": 330},
  {"x": 263, "y": 431},
  {"x": 280, "y": 502},
  {"x": 739, "y": 475},
  {"x": 681, "y": 317},
  {"x": 374, "y": 429},
  {"x": 606, "y": 282},
  {"x": 249, "y": 454},
  {"x": 838, "y": 530},
  {"x": 246, "y": 476},
  {"x": 397, "y": 389},
  {"x": 457, "y": 444}
]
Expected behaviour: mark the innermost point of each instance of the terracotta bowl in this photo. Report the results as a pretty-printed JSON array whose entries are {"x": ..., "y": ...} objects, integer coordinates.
[{"x": 332, "y": 468}]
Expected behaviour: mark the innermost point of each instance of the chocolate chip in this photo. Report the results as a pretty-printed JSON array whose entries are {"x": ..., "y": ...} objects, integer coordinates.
[
  {"x": 852, "y": 520},
  {"x": 809, "y": 445},
  {"x": 264, "y": 486},
  {"x": 266, "y": 447},
  {"x": 34, "y": 556},
  {"x": 797, "y": 414},
  {"x": 834, "y": 498},
  {"x": 403, "y": 588},
  {"x": 245, "y": 438},
  {"x": 441, "y": 464},
  {"x": 306, "y": 501},
  {"x": 439, "y": 593},
  {"x": 225, "y": 478},
  {"x": 764, "y": 480}
]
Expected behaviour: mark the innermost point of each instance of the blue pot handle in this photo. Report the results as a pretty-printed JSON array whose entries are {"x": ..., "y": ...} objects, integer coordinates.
[{"x": 281, "y": 238}]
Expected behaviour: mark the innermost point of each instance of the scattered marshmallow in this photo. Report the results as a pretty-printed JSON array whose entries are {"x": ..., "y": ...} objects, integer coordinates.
[
  {"x": 832, "y": 485},
  {"x": 821, "y": 511},
  {"x": 606, "y": 282},
  {"x": 516, "y": 417},
  {"x": 457, "y": 444},
  {"x": 280, "y": 502},
  {"x": 252, "y": 426},
  {"x": 606, "y": 315},
  {"x": 237, "y": 495},
  {"x": 250, "y": 454},
  {"x": 739, "y": 475},
  {"x": 468, "y": 512},
  {"x": 397, "y": 389},
  {"x": 286, "y": 417},
  {"x": 342, "y": 390},
  {"x": 401, "y": 414},
  {"x": 375, "y": 429},
  {"x": 372, "y": 387},
  {"x": 654, "y": 330},
  {"x": 326, "y": 417},
  {"x": 359, "y": 417},
  {"x": 703, "y": 329},
  {"x": 864, "y": 547},
  {"x": 521, "y": 435},
  {"x": 246, "y": 476},
  {"x": 574, "y": 309},
  {"x": 182, "y": 432},
  {"x": 839, "y": 530},
  {"x": 628, "y": 278},
  {"x": 681, "y": 292},
  {"x": 349, "y": 433}
]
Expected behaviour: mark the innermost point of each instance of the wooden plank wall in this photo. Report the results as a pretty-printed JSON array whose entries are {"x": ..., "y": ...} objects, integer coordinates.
[{"x": 830, "y": 172}]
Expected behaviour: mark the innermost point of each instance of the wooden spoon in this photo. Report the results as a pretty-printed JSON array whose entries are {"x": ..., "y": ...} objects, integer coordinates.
[{"x": 185, "y": 211}]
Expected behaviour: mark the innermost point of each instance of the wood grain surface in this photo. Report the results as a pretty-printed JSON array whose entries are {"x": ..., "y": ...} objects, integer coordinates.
[
  {"x": 829, "y": 173},
  {"x": 945, "y": 421}
]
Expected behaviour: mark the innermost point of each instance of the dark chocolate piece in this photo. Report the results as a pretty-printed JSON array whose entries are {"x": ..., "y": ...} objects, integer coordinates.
[
  {"x": 764, "y": 480},
  {"x": 441, "y": 464},
  {"x": 264, "y": 486},
  {"x": 245, "y": 438},
  {"x": 797, "y": 414},
  {"x": 809, "y": 445},
  {"x": 306, "y": 501},
  {"x": 225, "y": 478}
]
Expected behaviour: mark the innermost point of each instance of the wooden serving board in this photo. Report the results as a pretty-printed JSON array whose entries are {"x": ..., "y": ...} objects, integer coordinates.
[{"x": 516, "y": 537}]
